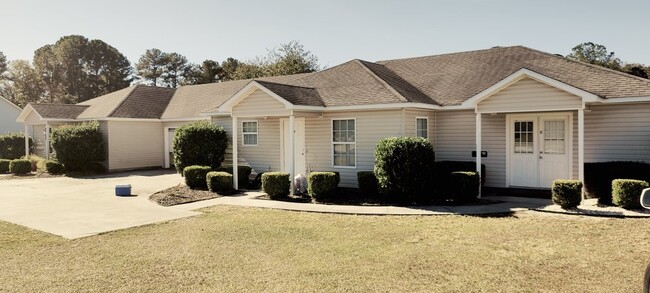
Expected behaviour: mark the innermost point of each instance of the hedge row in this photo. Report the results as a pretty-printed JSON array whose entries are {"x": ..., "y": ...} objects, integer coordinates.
[
  {"x": 80, "y": 147},
  {"x": 12, "y": 145}
]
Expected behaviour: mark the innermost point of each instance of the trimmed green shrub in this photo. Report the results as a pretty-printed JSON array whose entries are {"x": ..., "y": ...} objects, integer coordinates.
[
  {"x": 367, "y": 182},
  {"x": 199, "y": 143},
  {"x": 243, "y": 172},
  {"x": 4, "y": 166},
  {"x": 195, "y": 176},
  {"x": 627, "y": 192},
  {"x": 80, "y": 147},
  {"x": 322, "y": 185},
  {"x": 464, "y": 186},
  {"x": 54, "y": 167},
  {"x": 20, "y": 166},
  {"x": 12, "y": 145},
  {"x": 599, "y": 177},
  {"x": 443, "y": 169},
  {"x": 220, "y": 182},
  {"x": 566, "y": 193},
  {"x": 276, "y": 184},
  {"x": 404, "y": 166}
]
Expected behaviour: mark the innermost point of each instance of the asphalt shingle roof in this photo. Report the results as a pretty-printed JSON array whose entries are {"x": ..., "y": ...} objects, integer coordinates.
[
  {"x": 58, "y": 111},
  {"x": 144, "y": 102}
]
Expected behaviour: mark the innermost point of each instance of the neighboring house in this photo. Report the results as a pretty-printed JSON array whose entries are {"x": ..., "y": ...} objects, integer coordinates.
[
  {"x": 535, "y": 116},
  {"x": 8, "y": 114}
]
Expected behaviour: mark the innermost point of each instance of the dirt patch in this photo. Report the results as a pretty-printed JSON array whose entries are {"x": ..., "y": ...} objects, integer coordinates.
[
  {"x": 181, "y": 194},
  {"x": 29, "y": 176}
]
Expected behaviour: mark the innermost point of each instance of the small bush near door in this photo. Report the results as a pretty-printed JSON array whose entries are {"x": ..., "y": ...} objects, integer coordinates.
[
  {"x": 276, "y": 184},
  {"x": 220, "y": 182},
  {"x": 199, "y": 143},
  {"x": 20, "y": 167},
  {"x": 322, "y": 185},
  {"x": 54, "y": 167},
  {"x": 566, "y": 193},
  {"x": 599, "y": 177},
  {"x": 243, "y": 172},
  {"x": 464, "y": 186},
  {"x": 195, "y": 176},
  {"x": 626, "y": 193},
  {"x": 4, "y": 166},
  {"x": 367, "y": 182}
]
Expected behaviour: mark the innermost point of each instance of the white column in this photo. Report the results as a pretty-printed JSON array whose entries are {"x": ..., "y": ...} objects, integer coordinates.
[
  {"x": 478, "y": 149},
  {"x": 581, "y": 148},
  {"x": 47, "y": 140},
  {"x": 235, "y": 134},
  {"x": 292, "y": 145},
  {"x": 26, "y": 140}
]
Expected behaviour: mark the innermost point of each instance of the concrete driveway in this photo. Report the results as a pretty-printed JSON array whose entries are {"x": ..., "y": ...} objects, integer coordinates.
[{"x": 79, "y": 207}]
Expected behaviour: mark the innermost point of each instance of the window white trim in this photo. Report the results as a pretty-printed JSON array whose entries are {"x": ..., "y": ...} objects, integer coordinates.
[
  {"x": 256, "y": 133},
  {"x": 416, "y": 126},
  {"x": 332, "y": 143}
]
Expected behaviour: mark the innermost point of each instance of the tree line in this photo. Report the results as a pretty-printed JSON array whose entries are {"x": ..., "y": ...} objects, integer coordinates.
[{"x": 76, "y": 69}]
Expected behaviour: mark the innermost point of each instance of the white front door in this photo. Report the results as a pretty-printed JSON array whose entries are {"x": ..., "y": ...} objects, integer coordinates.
[
  {"x": 299, "y": 140},
  {"x": 539, "y": 149}
]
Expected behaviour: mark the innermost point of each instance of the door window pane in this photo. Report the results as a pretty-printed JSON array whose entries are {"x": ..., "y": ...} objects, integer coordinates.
[
  {"x": 554, "y": 137},
  {"x": 523, "y": 137}
]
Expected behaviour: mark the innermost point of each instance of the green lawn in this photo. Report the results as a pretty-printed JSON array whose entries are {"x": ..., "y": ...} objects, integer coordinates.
[{"x": 245, "y": 249}]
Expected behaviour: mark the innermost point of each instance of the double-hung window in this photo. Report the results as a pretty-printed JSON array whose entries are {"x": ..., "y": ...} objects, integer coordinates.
[
  {"x": 422, "y": 127},
  {"x": 249, "y": 133},
  {"x": 344, "y": 143}
]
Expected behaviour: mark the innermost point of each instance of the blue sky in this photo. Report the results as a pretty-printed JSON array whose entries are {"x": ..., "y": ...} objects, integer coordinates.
[{"x": 335, "y": 31}]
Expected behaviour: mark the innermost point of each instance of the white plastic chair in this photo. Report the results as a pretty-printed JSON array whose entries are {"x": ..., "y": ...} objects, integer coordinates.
[{"x": 645, "y": 198}]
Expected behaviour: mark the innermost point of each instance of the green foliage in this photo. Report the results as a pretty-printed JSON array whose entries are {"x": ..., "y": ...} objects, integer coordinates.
[
  {"x": 627, "y": 192},
  {"x": 12, "y": 145},
  {"x": 595, "y": 54},
  {"x": 195, "y": 176},
  {"x": 219, "y": 182},
  {"x": 208, "y": 72},
  {"x": 165, "y": 69},
  {"x": 20, "y": 166},
  {"x": 199, "y": 143},
  {"x": 566, "y": 193},
  {"x": 80, "y": 147},
  {"x": 243, "y": 172},
  {"x": 321, "y": 185},
  {"x": 25, "y": 85},
  {"x": 599, "y": 176},
  {"x": 367, "y": 182},
  {"x": 276, "y": 184},
  {"x": 4, "y": 166},
  {"x": 3, "y": 64},
  {"x": 54, "y": 167},
  {"x": 465, "y": 186},
  {"x": 443, "y": 170},
  {"x": 403, "y": 166}
]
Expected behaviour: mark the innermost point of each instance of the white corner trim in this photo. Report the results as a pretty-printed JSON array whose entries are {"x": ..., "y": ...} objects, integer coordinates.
[{"x": 522, "y": 73}]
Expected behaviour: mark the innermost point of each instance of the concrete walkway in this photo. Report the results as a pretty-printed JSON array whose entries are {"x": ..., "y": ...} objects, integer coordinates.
[{"x": 79, "y": 207}]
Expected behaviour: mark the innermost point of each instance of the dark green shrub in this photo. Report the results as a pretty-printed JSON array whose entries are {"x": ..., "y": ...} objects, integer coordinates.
[
  {"x": 627, "y": 192},
  {"x": 464, "y": 186},
  {"x": 220, "y": 182},
  {"x": 367, "y": 182},
  {"x": 199, "y": 143},
  {"x": 404, "y": 166},
  {"x": 322, "y": 185},
  {"x": 599, "y": 177},
  {"x": 195, "y": 176},
  {"x": 443, "y": 169},
  {"x": 80, "y": 147},
  {"x": 4, "y": 166},
  {"x": 276, "y": 184},
  {"x": 54, "y": 167},
  {"x": 566, "y": 193},
  {"x": 12, "y": 145},
  {"x": 20, "y": 166},
  {"x": 243, "y": 172}
]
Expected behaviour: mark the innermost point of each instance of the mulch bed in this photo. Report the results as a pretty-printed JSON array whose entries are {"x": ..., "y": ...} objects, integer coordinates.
[
  {"x": 181, "y": 194},
  {"x": 29, "y": 176}
]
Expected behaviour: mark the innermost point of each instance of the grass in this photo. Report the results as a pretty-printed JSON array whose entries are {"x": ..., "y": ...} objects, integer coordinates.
[{"x": 245, "y": 249}]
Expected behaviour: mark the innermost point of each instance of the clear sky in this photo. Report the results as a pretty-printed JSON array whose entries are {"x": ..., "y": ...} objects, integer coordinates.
[{"x": 334, "y": 30}]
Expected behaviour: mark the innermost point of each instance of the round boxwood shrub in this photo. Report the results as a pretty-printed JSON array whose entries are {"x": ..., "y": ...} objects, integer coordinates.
[
  {"x": 626, "y": 193},
  {"x": 566, "y": 193},
  {"x": 4, "y": 166},
  {"x": 12, "y": 145},
  {"x": 367, "y": 182},
  {"x": 276, "y": 184},
  {"x": 80, "y": 147},
  {"x": 219, "y": 182},
  {"x": 20, "y": 166},
  {"x": 54, "y": 167},
  {"x": 464, "y": 186},
  {"x": 195, "y": 176},
  {"x": 243, "y": 172},
  {"x": 199, "y": 143},
  {"x": 404, "y": 166},
  {"x": 321, "y": 185}
]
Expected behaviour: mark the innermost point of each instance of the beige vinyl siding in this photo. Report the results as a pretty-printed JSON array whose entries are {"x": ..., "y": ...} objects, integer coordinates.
[
  {"x": 528, "y": 95},
  {"x": 371, "y": 126},
  {"x": 259, "y": 103},
  {"x": 38, "y": 135},
  {"x": 135, "y": 145},
  {"x": 617, "y": 133},
  {"x": 409, "y": 122},
  {"x": 103, "y": 127},
  {"x": 493, "y": 140},
  {"x": 455, "y": 135},
  {"x": 8, "y": 115},
  {"x": 33, "y": 118}
]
